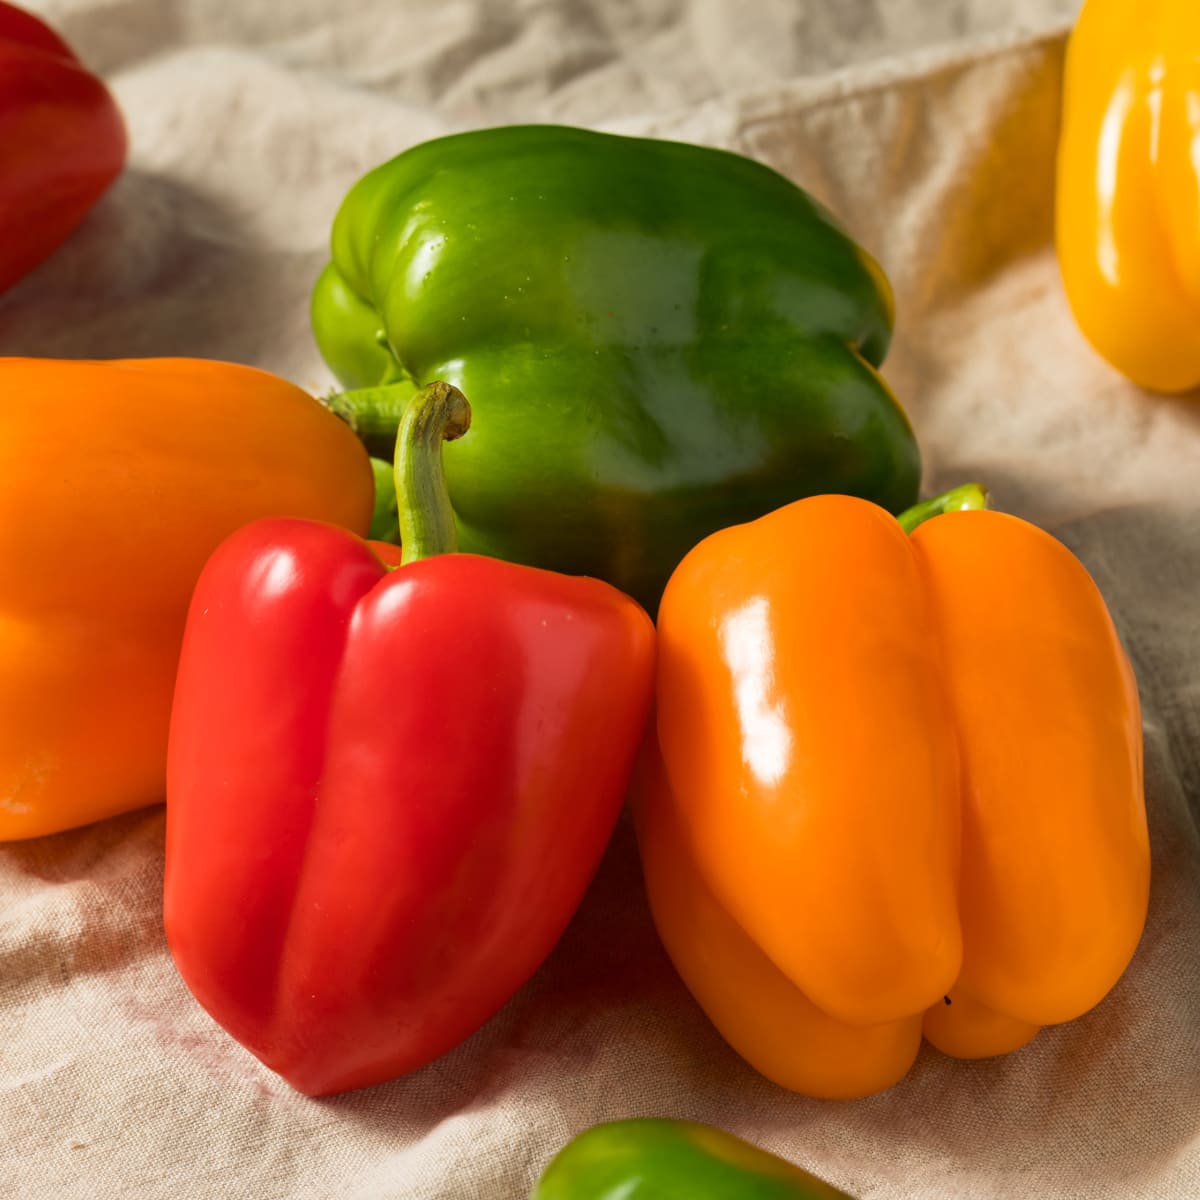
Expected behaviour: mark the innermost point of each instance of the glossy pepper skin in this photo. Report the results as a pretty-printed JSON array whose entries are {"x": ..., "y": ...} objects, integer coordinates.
[
  {"x": 654, "y": 1159},
  {"x": 119, "y": 480},
  {"x": 387, "y": 790},
  {"x": 1128, "y": 203},
  {"x": 895, "y": 789},
  {"x": 62, "y": 142},
  {"x": 657, "y": 339}
]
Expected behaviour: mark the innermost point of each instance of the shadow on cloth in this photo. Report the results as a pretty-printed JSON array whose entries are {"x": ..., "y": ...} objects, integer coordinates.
[
  {"x": 84, "y": 901},
  {"x": 160, "y": 270}
]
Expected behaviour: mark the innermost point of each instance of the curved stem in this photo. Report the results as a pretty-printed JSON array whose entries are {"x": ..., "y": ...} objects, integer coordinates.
[
  {"x": 965, "y": 497},
  {"x": 373, "y": 413},
  {"x": 436, "y": 414}
]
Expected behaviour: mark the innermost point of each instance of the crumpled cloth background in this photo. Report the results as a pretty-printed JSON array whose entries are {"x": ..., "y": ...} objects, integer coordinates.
[{"x": 930, "y": 128}]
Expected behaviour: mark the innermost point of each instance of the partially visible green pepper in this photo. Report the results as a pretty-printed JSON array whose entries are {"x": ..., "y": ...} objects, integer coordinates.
[
  {"x": 385, "y": 517},
  {"x": 673, "y": 1160},
  {"x": 657, "y": 340}
]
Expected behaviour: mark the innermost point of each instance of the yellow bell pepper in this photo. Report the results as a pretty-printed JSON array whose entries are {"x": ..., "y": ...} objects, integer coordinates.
[{"x": 1128, "y": 195}]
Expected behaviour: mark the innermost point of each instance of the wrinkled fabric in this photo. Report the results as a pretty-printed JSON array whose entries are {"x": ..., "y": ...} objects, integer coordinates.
[{"x": 248, "y": 123}]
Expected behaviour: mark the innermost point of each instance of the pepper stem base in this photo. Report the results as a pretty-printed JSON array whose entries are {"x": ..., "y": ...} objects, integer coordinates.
[
  {"x": 966, "y": 497},
  {"x": 373, "y": 413}
]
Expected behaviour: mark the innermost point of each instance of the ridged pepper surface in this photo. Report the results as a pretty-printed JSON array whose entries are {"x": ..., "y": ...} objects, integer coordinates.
[
  {"x": 388, "y": 790},
  {"x": 895, "y": 788},
  {"x": 657, "y": 339},
  {"x": 1128, "y": 206}
]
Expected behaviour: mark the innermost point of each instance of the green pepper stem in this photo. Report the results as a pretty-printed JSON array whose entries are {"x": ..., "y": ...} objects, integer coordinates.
[
  {"x": 436, "y": 414},
  {"x": 373, "y": 413},
  {"x": 963, "y": 498}
]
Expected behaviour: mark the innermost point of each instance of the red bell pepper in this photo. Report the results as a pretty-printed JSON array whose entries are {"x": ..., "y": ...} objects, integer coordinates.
[
  {"x": 387, "y": 790},
  {"x": 62, "y": 141}
]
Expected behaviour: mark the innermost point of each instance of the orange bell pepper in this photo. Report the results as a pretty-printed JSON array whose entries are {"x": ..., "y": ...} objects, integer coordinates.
[
  {"x": 1128, "y": 202},
  {"x": 119, "y": 480},
  {"x": 895, "y": 789}
]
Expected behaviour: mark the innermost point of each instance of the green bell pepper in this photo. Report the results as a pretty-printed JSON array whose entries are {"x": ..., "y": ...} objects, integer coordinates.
[
  {"x": 385, "y": 517},
  {"x": 657, "y": 340},
  {"x": 673, "y": 1160}
]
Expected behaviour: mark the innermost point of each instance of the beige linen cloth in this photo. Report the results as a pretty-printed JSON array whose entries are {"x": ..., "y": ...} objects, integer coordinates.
[{"x": 249, "y": 120}]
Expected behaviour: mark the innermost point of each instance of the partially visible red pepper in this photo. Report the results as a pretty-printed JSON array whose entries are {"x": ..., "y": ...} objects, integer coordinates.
[
  {"x": 62, "y": 142},
  {"x": 387, "y": 790}
]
